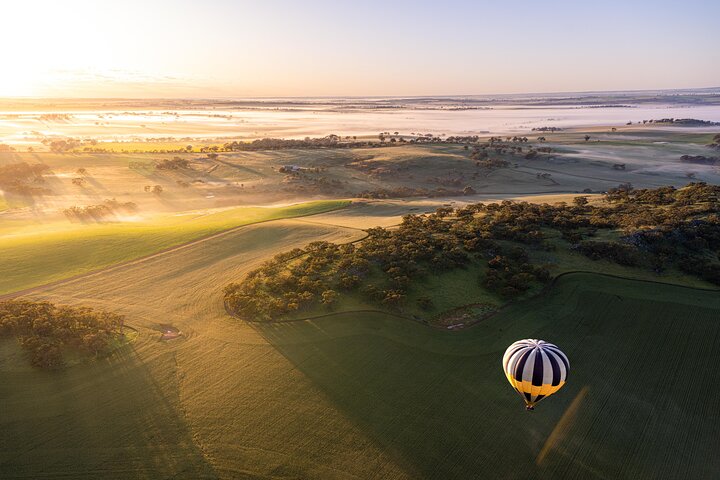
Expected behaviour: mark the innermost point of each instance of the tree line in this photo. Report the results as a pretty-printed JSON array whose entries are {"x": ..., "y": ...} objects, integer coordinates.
[
  {"x": 100, "y": 211},
  {"x": 656, "y": 229}
]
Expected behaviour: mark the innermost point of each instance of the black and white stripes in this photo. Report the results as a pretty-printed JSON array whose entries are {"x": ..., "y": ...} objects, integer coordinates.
[{"x": 535, "y": 369}]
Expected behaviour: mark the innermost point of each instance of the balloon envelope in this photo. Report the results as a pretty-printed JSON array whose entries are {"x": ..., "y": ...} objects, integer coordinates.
[{"x": 536, "y": 369}]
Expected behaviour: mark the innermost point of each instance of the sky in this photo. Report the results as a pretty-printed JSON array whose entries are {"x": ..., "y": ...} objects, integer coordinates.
[{"x": 224, "y": 48}]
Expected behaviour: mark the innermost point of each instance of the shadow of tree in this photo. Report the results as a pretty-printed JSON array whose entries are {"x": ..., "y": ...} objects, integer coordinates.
[{"x": 115, "y": 418}]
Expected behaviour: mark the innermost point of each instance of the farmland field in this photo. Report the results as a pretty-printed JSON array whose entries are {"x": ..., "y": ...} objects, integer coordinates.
[
  {"x": 364, "y": 395},
  {"x": 33, "y": 253},
  {"x": 378, "y": 357}
]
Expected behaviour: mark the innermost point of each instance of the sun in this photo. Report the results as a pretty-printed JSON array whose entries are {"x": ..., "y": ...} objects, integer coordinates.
[{"x": 16, "y": 85}]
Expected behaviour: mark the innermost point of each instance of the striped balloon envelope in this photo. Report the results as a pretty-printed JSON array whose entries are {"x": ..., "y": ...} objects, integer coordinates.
[{"x": 536, "y": 369}]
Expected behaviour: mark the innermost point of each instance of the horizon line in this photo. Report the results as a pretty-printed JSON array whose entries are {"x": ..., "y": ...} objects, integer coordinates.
[{"x": 230, "y": 98}]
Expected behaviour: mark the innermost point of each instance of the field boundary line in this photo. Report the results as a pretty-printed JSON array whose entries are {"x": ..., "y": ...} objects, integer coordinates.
[{"x": 612, "y": 275}]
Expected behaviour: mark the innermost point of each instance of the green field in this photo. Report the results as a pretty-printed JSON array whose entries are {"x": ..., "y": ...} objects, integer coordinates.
[
  {"x": 441, "y": 401},
  {"x": 372, "y": 396},
  {"x": 34, "y": 254}
]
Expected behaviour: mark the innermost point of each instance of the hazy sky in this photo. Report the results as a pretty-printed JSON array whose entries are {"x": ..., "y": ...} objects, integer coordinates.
[{"x": 219, "y": 48}]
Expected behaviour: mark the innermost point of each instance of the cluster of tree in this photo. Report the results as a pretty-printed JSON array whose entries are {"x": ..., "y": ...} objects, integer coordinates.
[
  {"x": 660, "y": 228},
  {"x": 45, "y": 330},
  {"x": 406, "y": 192},
  {"x": 511, "y": 273},
  {"x": 176, "y": 163},
  {"x": 685, "y": 122},
  {"x": 156, "y": 189},
  {"x": 23, "y": 178},
  {"x": 516, "y": 139},
  {"x": 21, "y": 171},
  {"x": 329, "y": 141},
  {"x": 186, "y": 149},
  {"x": 664, "y": 227},
  {"x": 55, "y": 117},
  {"x": 62, "y": 145},
  {"x": 508, "y": 145},
  {"x": 99, "y": 212},
  {"x": 312, "y": 185},
  {"x": 620, "y": 253},
  {"x": 4, "y": 147},
  {"x": 546, "y": 129},
  {"x": 492, "y": 163},
  {"x": 690, "y": 245},
  {"x": 483, "y": 160},
  {"x": 382, "y": 268},
  {"x": 463, "y": 139}
]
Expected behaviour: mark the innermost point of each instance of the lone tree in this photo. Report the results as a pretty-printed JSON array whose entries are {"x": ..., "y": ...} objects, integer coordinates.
[
  {"x": 580, "y": 201},
  {"x": 329, "y": 298},
  {"x": 587, "y": 137}
]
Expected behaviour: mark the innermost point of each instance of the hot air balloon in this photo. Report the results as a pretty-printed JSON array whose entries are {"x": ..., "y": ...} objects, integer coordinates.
[{"x": 536, "y": 369}]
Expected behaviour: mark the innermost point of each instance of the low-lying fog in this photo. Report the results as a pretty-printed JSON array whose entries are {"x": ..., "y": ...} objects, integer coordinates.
[{"x": 292, "y": 120}]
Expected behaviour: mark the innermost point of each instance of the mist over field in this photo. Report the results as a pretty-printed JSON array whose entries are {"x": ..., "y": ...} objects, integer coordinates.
[{"x": 27, "y": 121}]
